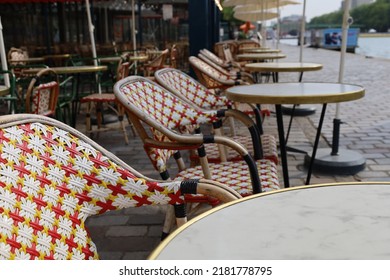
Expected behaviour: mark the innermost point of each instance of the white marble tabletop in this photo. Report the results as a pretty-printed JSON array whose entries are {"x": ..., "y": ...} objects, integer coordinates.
[{"x": 343, "y": 221}]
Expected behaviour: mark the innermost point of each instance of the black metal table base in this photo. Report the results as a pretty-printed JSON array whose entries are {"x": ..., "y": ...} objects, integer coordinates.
[{"x": 346, "y": 162}]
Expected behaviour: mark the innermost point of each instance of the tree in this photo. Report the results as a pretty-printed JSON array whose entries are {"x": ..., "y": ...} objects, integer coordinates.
[{"x": 374, "y": 15}]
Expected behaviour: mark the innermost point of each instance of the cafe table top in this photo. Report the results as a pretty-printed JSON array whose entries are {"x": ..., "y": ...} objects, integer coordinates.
[
  {"x": 57, "y": 56},
  {"x": 295, "y": 93},
  {"x": 70, "y": 69},
  {"x": 109, "y": 59},
  {"x": 27, "y": 60},
  {"x": 138, "y": 57},
  {"x": 259, "y": 50},
  {"x": 260, "y": 56},
  {"x": 333, "y": 221},
  {"x": 283, "y": 66}
]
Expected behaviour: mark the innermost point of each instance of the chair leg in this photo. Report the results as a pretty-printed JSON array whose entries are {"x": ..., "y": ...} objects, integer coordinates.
[
  {"x": 121, "y": 113},
  {"x": 99, "y": 116},
  {"x": 88, "y": 124},
  {"x": 131, "y": 125},
  {"x": 169, "y": 221}
]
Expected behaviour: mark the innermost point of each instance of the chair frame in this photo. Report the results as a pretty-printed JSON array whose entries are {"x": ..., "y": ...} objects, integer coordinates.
[
  {"x": 204, "y": 99},
  {"x": 54, "y": 91},
  {"x": 60, "y": 134},
  {"x": 97, "y": 100},
  {"x": 182, "y": 141}
]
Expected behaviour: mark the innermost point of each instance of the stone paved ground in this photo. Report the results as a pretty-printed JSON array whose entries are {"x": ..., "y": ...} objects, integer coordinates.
[{"x": 133, "y": 233}]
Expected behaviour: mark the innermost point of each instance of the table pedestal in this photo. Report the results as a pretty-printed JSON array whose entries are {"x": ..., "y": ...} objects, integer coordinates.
[
  {"x": 346, "y": 162},
  {"x": 299, "y": 110}
]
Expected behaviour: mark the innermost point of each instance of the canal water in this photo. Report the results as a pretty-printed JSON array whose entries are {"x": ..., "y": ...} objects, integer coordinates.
[{"x": 367, "y": 46}]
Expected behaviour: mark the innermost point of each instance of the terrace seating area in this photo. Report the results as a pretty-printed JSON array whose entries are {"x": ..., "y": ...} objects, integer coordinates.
[{"x": 186, "y": 132}]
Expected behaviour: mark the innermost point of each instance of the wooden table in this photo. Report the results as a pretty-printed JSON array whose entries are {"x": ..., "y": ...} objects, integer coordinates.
[
  {"x": 329, "y": 222},
  {"x": 295, "y": 93},
  {"x": 260, "y": 56}
]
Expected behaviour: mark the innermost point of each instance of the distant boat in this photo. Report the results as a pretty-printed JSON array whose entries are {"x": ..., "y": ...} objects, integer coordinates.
[{"x": 330, "y": 38}]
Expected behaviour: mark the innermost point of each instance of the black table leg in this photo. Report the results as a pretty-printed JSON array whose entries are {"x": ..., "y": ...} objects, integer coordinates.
[
  {"x": 316, "y": 144},
  {"x": 282, "y": 145}
]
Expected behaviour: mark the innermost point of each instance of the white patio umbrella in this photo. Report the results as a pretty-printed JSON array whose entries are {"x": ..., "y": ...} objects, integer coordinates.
[
  {"x": 303, "y": 29},
  {"x": 271, "y": 3},
  {"x": 258, "y": 15},
  {"x": 340, "y": 160},
  {"x": 257, "y": 5},
  {"x": 91, "y": 29},
  {"x": 242, "y": 7}
]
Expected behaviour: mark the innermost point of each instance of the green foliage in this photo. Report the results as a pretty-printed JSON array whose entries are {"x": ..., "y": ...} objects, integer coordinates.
[
  {"x": 375, "y": 15},
  {"x": 227, "y": 15}
]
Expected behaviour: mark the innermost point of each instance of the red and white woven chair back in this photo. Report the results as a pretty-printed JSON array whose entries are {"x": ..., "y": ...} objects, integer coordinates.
[
  {"x": 207, "y": 69},
  {"x": 212, "y": 56},
  {"x": 178, "y": 82},
  {"x": 150, "y": 102},
  {"x": 52, "y": 180},
  {"x": 44, "y": 99}
]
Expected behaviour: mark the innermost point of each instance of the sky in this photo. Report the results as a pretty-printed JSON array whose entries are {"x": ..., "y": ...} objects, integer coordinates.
[{"x": 313, "y": 8}]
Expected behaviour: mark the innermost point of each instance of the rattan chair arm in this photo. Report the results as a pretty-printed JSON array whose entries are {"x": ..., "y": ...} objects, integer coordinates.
[
  {"x": 217, "y": 190},
  {"x": 220, "y": 185}
]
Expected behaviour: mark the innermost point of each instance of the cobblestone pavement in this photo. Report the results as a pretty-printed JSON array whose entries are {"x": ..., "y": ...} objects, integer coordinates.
[{"x": 133, "y": 233}]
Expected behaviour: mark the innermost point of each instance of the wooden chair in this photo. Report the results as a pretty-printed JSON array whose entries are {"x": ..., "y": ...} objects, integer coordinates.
[
  {"x": 52, "y": 178},
  {"x": 197, "y": 95},
  {"x": 97, "y": 101},
  {"x": 161, "y": 120},
  {"x": 42, "y": 93}
]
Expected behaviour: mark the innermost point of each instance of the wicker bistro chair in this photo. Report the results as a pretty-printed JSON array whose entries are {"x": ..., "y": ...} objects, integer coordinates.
[
  {"x": 157, "y": 63},
  {"x": 42, "y": 93},
  {"x": 97, "y": 101},
  {"x": 52, "y": 178},
  {"x": 198, "y": 96},
  {"x": 217, "y": 60},
  {"x": 153, "y": 107},
  {"x": 235, "y": 75},
  {"x": 213, "y": 79},
  {"x": 210, "y": 77}
]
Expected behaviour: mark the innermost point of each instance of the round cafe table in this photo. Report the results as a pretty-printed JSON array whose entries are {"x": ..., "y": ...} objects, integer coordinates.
[
  {"x": 70, "y": 69},
  {"x": 260, "y": 50},
  {"x": 279, "y": 67},
  {"x": 295, "y": 93},
  {"x": 330, "y": 222},
  {"x": 260, "y": 56},
  {"x": 27, "y": 60}
]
